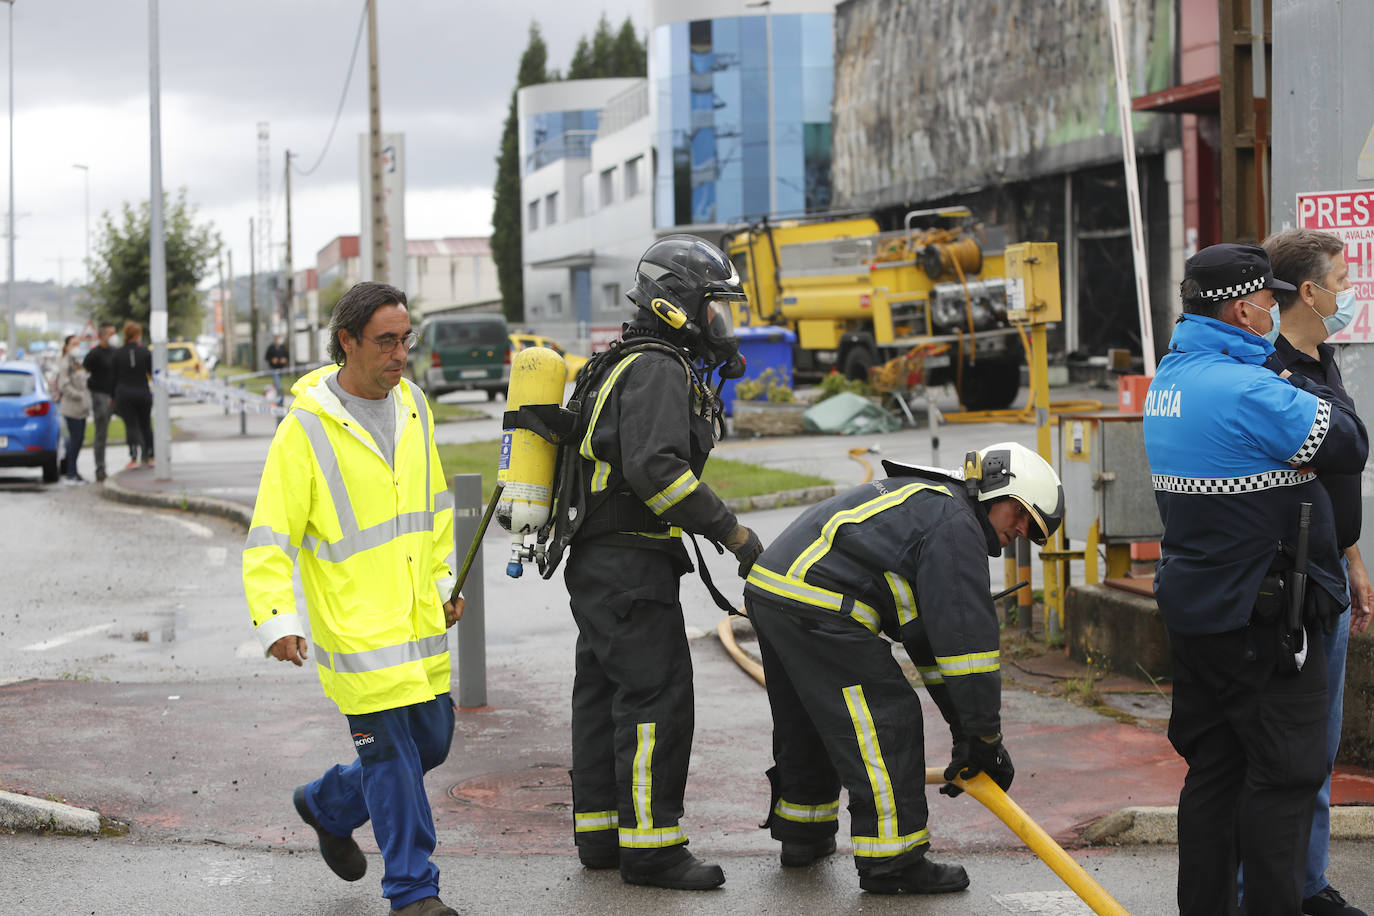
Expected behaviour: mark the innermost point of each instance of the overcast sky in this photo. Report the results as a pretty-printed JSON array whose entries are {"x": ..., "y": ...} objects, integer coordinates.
[{"x": 81, "y": 96}]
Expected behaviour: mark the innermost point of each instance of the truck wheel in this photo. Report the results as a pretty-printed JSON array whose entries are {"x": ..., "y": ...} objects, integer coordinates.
[
  {"x": 990, "y": 384},
  {"x": 857, "y": 362}
]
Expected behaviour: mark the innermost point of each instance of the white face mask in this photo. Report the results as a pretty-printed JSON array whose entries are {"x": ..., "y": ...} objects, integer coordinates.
[{"x": 1346, "y": 304}]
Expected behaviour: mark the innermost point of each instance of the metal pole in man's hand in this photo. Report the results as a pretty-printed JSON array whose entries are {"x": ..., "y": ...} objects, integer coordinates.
[{"x": 468, "y": 528}]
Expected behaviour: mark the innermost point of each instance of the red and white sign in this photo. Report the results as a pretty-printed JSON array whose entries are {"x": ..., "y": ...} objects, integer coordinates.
[
  {"x": 1349, "y": 215},
  {"x": 601, "y": 338}
]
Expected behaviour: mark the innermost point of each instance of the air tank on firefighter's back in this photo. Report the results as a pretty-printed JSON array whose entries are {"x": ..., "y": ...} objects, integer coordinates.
[{"x": 537, "y": 376}]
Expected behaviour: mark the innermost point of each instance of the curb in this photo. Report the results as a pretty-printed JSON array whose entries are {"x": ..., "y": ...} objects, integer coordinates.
[
  {"x": 23, "y": 812},
  {"x": 1159, "y": 826},
  {"x": 183, "y": 501},
  {"x": 802, "y": 497}
]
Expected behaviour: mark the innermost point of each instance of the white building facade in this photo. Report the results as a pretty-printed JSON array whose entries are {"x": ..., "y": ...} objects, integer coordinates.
[{"x": 732, "y": 124}]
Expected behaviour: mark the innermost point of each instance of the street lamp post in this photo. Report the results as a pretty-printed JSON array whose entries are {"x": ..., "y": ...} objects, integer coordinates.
[
  {"x": 86, "y": 171},
  {"x": 9, "y": 284}
]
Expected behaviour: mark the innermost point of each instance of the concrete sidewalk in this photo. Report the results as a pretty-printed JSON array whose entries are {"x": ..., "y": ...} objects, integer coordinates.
[{"x": 1074, "y": 766}]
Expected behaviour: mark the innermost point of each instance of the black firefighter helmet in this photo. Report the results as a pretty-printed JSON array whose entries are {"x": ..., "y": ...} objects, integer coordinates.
[{"x": 683, "y": 287}]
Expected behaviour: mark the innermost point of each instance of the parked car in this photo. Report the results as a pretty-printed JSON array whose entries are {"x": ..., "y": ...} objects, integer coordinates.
[
  {"x": 184, "y": 359},
  {"x": 462, "y": 353},
  {"x": 29, "y": 425},
  {"x": 575, "y": 362}
]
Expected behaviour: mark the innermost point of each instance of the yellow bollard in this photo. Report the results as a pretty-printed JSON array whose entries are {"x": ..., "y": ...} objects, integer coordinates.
[{"x": 987, "y": 792}]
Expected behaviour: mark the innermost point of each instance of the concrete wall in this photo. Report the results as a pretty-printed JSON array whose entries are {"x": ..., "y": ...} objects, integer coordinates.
[{"x": 938, "y": 97}]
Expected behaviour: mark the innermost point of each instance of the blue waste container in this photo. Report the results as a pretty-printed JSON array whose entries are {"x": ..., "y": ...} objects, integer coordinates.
[{"x": 763, "y": 348}]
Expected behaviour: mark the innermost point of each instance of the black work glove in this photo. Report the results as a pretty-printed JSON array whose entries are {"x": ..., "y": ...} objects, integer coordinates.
[
  {"x": 978, "y": 755},
  {"x": 746, "y": 547}
]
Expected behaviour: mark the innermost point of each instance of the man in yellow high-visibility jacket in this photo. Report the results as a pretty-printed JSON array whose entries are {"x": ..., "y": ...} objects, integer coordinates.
[{"x": 353, "y": 492}]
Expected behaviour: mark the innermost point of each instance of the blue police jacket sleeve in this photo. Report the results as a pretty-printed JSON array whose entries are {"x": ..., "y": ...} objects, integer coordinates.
[
  {"x": 1345, "y": 447},
  {"x": 1294, "y": 425}
]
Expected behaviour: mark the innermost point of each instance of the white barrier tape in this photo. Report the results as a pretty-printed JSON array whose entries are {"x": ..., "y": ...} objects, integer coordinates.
[{"x": 206, "y": 391}]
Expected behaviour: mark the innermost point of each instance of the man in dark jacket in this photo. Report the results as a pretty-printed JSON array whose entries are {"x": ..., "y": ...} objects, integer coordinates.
[
  {"x": 903, "y": 557},
  {"x": 277, "y": 359},
  {"x": 646, "y": 430},
  {"x": 1233, "y": 448},
  {"x": 99, "y": 365}
]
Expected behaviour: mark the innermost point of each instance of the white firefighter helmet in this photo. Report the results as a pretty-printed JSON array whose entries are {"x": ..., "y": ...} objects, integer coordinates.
[{"x": 1010, "y": 469}]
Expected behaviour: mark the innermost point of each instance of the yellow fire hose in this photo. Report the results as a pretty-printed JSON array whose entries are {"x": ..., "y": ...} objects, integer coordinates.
[{"x": 991, "y": 796}]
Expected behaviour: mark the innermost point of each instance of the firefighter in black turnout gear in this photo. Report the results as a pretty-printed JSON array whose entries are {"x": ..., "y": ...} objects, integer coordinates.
[
  {"x": 644, "y": 432},
  {"x": 903, "y": 557}
]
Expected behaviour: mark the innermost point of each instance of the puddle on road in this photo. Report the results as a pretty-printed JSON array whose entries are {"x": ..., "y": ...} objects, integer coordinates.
[{"x": 162, "y": 628}]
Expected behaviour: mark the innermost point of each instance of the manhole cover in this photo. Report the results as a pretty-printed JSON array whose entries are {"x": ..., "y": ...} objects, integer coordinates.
[{"x": 543, "y": 787}]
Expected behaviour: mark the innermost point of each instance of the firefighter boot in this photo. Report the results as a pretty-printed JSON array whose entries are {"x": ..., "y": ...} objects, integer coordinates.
[
  {"x": 341, "y": 853},
  {"x": 691, "y": 874},
  {"x": 924, "y": 877},
  {"x": 799, "y": 855}
]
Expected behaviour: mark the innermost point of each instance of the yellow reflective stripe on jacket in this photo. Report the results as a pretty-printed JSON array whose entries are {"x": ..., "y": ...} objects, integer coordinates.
[
  {"x": 674, "y": 493},
  {"x": 862, "y": 512},
  {"x": 877, "y": 847},
  {"x": 651, "y": 837},
  {"x": 903, "y": 598},
  {"x": 807, "y": 814},
  {"x": 822, "y": 598},
  {"x": 355, "y": 542},
  {"x": 642, "y": 775},
  {"x": 591, "y": 821},
  {"x": 973, "y": 663},
  {"x": 385, "y": 657},
  {"x": 884, "y": 804},
  {"x": 930, "y": 675},
  {"x": 601, "y": 473},
  {"x": 264, "y": 536}
]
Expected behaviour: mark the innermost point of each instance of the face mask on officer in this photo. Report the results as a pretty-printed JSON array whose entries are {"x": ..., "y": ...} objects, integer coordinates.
[
  {"x": 1273, "y": 333},
  {"x": 718, "y": 341},
  {"x": 1346, "y": 304}
]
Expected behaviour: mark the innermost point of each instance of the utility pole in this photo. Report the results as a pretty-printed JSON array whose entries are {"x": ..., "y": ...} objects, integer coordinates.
[
  {"x": 374, "y": 112},
  {"x": 231, "y": 312},
  {"x": 254, "y": 358},
  {"x": 290, "y": 280},
  {"x": 157, "y": 261}
]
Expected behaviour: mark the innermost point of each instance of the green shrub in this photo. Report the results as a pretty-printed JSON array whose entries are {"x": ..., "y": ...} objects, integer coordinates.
[
  {"x": 772, "y": 386},
  {"x": 836, "y": 383}
]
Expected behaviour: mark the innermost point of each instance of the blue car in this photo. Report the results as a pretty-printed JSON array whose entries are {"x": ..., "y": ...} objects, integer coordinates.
[{"x": 29, "y": 425}]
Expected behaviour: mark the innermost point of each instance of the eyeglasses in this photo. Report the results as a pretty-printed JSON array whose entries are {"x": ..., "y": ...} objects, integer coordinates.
[{"x": 388, "y": 342}]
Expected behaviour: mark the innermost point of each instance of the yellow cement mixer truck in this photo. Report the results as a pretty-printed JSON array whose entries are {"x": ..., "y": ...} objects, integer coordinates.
[{"x": 857, "y": 297}]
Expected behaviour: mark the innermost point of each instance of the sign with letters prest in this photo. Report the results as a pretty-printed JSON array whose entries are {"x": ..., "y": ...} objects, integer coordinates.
[{"x": 1349, "y": 215}]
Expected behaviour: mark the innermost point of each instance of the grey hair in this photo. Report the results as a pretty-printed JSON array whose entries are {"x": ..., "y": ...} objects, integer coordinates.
[
  {"x": 1299, "y": 255},
  {"x": 1194, "y": 303},
  {"x": 355, "y": 309}
]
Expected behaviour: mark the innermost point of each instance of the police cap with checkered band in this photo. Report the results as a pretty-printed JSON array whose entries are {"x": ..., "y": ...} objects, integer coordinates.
[{"x": 1230, "y": 271}]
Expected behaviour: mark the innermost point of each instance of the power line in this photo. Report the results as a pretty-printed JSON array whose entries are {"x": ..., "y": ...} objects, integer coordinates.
[{"x": 343, "y": 96}]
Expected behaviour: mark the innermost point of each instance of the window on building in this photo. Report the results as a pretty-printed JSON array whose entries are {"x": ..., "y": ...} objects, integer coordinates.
[
  {"x": 551, "y": 209},
  {"x": 608, "y": 187},
  {"x": 555, "y": 303},
  {"x": 532, "y": 216},
  {"x": 633, "y": 182},
  {"x": 610, "y": 296}
]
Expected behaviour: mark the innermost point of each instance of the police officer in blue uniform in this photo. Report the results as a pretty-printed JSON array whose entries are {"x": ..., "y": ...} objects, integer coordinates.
[{"x": 1233, "y": 447}]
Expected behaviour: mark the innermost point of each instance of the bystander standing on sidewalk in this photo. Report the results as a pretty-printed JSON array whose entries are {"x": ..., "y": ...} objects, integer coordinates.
[
  {"x": 99, "y": 366},
  {"x": 74, "y": 400},
  {"x": 133, "y": 369},
  {"x": 277, "y": 360}
]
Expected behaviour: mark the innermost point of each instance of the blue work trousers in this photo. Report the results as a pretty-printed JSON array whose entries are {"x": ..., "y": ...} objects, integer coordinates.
[
  {"x": 1319, "y": 846},
  {"x": 385, "y": 784}
]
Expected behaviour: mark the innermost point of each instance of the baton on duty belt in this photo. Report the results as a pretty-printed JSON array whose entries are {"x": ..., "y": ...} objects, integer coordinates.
[
  {"x": 1297, "y": 588},
  {"x": 476, "y": 541}
]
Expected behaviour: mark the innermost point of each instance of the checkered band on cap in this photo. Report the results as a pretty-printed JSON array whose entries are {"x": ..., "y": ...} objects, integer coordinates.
[
  {"x": 1315, "y": 435},
  {"x": 1265, "y": 480},
  {"x": 1233, "y": 292}
]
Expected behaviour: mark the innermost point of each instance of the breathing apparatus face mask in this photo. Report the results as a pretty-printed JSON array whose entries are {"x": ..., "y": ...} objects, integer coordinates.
[{"x": 718, "y": 341}]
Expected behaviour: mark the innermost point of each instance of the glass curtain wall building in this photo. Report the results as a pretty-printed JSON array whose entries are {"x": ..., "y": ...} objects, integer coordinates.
[{"x": 711, "y": 83}]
